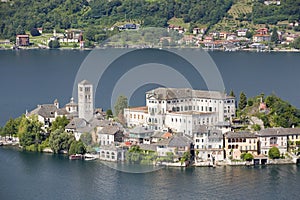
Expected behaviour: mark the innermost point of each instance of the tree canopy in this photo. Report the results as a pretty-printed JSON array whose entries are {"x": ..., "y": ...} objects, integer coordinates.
[
  {"x": 59, "y": 123},
  {"x": 121, "y": 103},
  {"x": 274, "y": 153},
  {"x": 243, "y": 101},
  {"x": 77, "y": 147},
  {"x": 54, "y": 44},
  {"x": 60, "y": 140}
]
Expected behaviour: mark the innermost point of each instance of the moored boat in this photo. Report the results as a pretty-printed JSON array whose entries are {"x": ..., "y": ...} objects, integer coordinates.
[
  {"x": 89, "y": 157},
  {"x": 75, "y": 157}
]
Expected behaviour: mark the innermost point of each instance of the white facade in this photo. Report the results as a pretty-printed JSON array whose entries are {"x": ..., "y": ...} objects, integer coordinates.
[
  {"x": 267, "y": 142},
  {"x": 209, "y": 145},
  {"x": 181, "y": 109},
  {"x": 85, "y": 100},
  {"x": 105, "y": 139}
]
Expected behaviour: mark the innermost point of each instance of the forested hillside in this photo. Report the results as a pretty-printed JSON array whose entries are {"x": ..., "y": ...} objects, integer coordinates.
[
  {"x": 271, "y": 14},
  {"x": 18, "y": 16}
]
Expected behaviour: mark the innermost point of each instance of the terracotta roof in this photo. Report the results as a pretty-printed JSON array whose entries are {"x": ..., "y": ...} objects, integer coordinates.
[
  {"x": 167, "y": 135},
  {"x": 22, "y": 35},
  {"x": 139, "y": 109}
]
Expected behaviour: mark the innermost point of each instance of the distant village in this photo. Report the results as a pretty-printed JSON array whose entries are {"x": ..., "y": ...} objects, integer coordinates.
[
  {"x": 174, "y": 122},
  {"x": 240, "y": 39}
]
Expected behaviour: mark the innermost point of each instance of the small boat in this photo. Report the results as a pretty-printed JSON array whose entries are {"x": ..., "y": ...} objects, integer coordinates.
[
  {"x": 75, "y": 157},
  {"x": 89, "y": 157}
]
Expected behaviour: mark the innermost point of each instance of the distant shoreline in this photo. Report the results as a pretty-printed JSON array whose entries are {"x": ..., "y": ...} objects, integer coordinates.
[{"x": 208, "y": 50}]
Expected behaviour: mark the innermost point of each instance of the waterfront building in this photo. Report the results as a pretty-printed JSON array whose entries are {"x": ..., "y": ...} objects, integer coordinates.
[
  {"x": 181, "y": 109},
  {"x": 22, "y": 40},
  {"x": 283, "y": 138},
  {"x": 140, "y": 135},
  {"x": 85, "y": 100},
  {"x": 178, "y": 144},
  {"x": 112, "y": 153},
  {"x": 208, "y": 144},
  {"x": 236, "y": 143},
  {"x": 110, "y": 134}
]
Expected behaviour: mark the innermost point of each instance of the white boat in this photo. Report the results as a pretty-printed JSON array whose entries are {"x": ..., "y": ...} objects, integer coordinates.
[{"x": 89, "y": 157}]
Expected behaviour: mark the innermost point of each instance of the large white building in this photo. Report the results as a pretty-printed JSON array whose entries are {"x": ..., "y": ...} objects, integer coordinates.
[
  {"x": 85, "y": 100},
  {"x": 181, "y": 109}
]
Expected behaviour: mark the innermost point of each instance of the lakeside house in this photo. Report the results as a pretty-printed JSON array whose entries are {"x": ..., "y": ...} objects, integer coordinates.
[
  {"x": 112, "y": 153},
  {"x": 236, "y": 143},
  {"x": 110, "y": 134},
  {"x": 208, "y": 144},
  {"x": 140, "y": 135},
  {"x": 284, "y": 139},
  {"x": 178, "y": 144},
  {"x": 22, "y": 40}
]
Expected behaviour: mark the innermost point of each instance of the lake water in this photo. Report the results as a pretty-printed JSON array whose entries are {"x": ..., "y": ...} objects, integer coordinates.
[
  {"x": 27, "y": 175},
  {"x": 34, "y": 77}
]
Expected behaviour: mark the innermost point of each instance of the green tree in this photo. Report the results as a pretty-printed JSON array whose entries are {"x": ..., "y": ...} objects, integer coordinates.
[
  {"x": 59, "y": 123},
  {"x": 29, "y": 133},
  {"x": 60, "y": 140},
  {"x": 121, "y": 103},
  {"x": 274, "y": 153},
  {"x": 86, "y": 138},
  {"x": 54, "y": 44},
  {"x": 109, "y": 114},
  {"x": 231, "y": 93},
  {"x": 34, "y": 32},
  {"x": 247, "y": 156},
  {"x": 274, "y": 37},
  {"x": 10, "y": 128},
  {"x": 256, "y": 127},
  {"x": 249, "y": 34},
  {"x": 185, "y": 157},
  {"x": 243, "y": 101},
  {"x": 1, "y": 131},
  {"x": 134, "y": 154},
  {"x": 77, "y": 147},
  {"x": 296, "y": 43}
]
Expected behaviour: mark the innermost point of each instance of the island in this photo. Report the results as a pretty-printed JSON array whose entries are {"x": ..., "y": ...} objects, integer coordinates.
[{"x": 177, "y": 127}]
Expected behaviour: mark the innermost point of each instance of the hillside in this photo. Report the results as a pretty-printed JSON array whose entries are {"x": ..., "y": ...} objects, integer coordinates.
[
  {"x": 272, "y": 110},
  {"x": 18, "y": 16}
]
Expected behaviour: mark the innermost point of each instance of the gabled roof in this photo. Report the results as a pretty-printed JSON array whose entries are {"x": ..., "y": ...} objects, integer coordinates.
[
  {"x": 84, "y": 82},
  {"x": 174, "y": 93},
  {"x": 140, "y": 129},
  {"x": 62, "y": 111},
  {"x": 279, "y": 132},
  {"x": 240, "y": 135},
  {"x": 76, "y": 123},
  {"x": 45, "y": 110},
  {"x": 148, "y": 147},
  {"x": 109, "y": 130},
  {"x": 176, "y": 141}
]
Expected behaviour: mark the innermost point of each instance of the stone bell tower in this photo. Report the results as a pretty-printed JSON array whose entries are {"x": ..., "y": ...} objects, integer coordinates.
[{"x": 85, "y": 100}]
